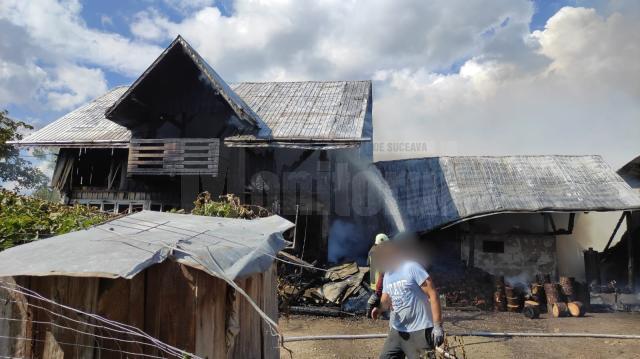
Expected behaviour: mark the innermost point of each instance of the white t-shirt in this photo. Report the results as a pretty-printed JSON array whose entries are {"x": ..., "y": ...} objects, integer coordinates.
[{"x": 411, "y": 307}]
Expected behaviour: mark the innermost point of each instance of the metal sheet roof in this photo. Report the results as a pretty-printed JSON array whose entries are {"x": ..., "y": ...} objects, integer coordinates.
[
  {"x": 224, "y": 247},
  {"x": 299, "y": 114},
  {"x": 320, "y": 111},
  {"x": 85, "y": 125},
  {"x": 434, "y": 192}
]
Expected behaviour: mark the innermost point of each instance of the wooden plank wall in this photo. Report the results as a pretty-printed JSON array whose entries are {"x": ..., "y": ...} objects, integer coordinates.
[
  {"x": 178, "y": 305},
  {"x": 173, "y": 156}
]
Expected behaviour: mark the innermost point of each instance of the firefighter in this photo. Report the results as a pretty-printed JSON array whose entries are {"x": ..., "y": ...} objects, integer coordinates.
[{"x": 375, "y": 276}]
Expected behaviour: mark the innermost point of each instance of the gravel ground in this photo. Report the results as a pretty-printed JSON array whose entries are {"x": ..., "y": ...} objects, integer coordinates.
[{"x": 476, "y": 347}]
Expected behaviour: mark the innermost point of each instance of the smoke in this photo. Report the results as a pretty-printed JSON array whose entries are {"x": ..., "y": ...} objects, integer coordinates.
[
  {"x": 521, "y": 280},
  {"x": 347, "y": 242}
]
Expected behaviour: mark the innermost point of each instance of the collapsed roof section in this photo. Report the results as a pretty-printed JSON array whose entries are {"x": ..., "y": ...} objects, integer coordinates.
[
  {"x": 223, "y": 247},
  {"x": 440, "y": 191},
  {"x": 180, "y": 85}
]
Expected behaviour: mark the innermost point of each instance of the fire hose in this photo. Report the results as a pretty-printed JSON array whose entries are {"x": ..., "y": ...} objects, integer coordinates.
[{"x": 467, "y": 334}]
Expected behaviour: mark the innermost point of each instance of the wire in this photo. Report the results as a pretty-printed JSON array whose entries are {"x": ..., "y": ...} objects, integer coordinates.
[
  {"x": 131, "y": 330},
  {"x": 80, "y": 346}
]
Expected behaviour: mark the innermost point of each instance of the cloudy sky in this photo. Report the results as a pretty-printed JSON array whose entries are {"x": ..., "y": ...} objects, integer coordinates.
[{"x": 455, "y": 77}]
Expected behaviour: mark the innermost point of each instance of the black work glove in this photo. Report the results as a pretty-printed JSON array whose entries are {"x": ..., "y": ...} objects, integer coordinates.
[{"x": 373, "y": 302}]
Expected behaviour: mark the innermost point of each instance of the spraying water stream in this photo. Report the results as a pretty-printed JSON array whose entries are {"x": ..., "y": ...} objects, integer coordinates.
[{"x": 374, "y": 177}]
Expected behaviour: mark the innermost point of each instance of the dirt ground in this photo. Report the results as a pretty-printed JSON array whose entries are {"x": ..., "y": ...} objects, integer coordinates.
[{"x": 476, "y": 347}]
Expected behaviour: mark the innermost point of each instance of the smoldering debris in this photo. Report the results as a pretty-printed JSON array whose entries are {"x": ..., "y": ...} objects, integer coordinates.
[{"x": 339, "y": 291}]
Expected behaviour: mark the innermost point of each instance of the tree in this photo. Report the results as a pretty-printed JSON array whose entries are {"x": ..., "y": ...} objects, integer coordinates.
[{"x": 12, "y": 167}]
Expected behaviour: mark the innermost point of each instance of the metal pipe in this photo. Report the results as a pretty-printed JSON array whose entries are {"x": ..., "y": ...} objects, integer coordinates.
[{"x": 468, "y": 334}]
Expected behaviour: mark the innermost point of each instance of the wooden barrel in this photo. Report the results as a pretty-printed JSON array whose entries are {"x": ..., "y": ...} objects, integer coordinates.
[
  {"x": 560, "y": 309},
  {"x": 567, "y": 287},
  {"x": 551, "y": 292},
  {"x": 531, "y": 311},
  {"x": 577, "y": 309}
]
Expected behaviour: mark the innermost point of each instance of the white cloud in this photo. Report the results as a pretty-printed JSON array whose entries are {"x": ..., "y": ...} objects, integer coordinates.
[
  {"x": 335, "y": 38},
  {"x": 585, "y": 100},
  {"x": 42, "y": 37},
  {"x": 75, "y": 85}
]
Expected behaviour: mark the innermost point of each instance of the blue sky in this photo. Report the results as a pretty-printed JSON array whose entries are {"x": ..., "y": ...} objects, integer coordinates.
[{"x": 466, "y": 77}]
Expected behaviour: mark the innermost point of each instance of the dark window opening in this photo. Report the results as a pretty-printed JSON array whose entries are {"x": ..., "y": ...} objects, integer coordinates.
[
  {"x": 493, "y": 246},
  {"x": 108, "y": 207},
  {"x": 123, "y": 208},
  {"x": 156, "y": 207},
  {"x": 136, "y": 208}
]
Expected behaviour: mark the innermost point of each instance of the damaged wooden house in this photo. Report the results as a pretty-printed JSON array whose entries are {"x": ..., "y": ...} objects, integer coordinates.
[{"x": 180, "y": 129}]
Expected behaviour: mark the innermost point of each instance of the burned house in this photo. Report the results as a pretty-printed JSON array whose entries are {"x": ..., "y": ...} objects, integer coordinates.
[
  {"x": 180, "y": 129},
  {"x": 506, "y": 215}
]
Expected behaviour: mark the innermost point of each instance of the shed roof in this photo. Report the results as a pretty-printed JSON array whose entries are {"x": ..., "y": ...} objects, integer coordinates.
[
  {"x": 438, "y": 191},
  {"x": 223, "y": 247}
]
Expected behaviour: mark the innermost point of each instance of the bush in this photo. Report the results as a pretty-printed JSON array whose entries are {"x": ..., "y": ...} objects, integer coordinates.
[
  {"x": 24, "y": 219},
  {"x": 229, "y": 206}
]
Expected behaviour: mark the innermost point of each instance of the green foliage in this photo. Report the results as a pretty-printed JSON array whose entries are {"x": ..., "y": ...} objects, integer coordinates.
[
  {"x": 229, "y": 206},
  {"x": 25, "y": 219},
  {"x": 12, "y": 167}
]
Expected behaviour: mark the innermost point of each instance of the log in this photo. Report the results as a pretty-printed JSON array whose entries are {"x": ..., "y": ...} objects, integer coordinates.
[
  {"x": 560, "y": 309},
  {"x": 551, "y": 292},
  {"x": 531, "y": 303},
  {"x": 577, "y": 309},
  {"x": 567, "y": 287},
  {"x": 531, "y": 311}
]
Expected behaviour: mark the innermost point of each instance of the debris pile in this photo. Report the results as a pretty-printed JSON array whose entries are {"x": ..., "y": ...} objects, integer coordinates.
[
  {"x": 463, "y": 287},
  {"x": 341, "y": 290}
]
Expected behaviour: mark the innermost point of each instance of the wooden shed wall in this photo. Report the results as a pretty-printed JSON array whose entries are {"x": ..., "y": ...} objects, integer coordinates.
[{"x": 178, "y": 305}]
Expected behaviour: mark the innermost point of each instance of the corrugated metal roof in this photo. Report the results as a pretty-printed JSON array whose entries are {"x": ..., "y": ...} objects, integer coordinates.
[
  {"x": 225, "y": 247},
  {"x": 332, "y": 110},
  {"x": 85, "y": 125},
  {"x": 302, "y": 114},
  {"x": 434, "y": 192}
]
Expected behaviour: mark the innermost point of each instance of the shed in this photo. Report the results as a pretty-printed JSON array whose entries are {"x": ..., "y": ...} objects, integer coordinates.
[
  {"x": 439, "y": 191},
  {"x": 179, "y": 278}
]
